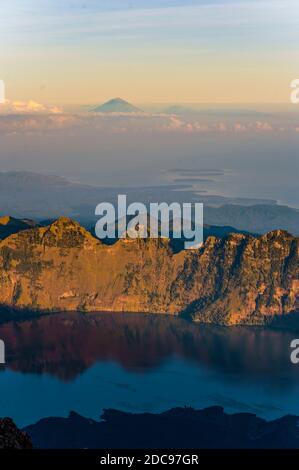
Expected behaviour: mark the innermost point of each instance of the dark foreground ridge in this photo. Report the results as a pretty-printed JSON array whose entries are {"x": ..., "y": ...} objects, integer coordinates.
[
  {"x": 178, "y": 428},
  {"x": 11, "y": 437}
]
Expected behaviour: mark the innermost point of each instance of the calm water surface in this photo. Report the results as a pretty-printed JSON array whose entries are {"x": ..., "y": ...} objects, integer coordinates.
[{"x": 142, "y": 363}]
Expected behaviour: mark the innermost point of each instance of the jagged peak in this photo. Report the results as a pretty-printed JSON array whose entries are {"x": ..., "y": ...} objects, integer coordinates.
[
  {"x": 277, "y": 234},
  {"x": 230, "y": 238},
  {"x": 64, "y": 221},
  {"x": 65, "y": 224},
  {"x": 237, "y": 238}
]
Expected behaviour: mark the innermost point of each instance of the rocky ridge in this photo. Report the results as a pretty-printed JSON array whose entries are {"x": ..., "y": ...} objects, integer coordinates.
[
  {"x": 11, "y": 437},
  {"x": 233, "y": 280}
]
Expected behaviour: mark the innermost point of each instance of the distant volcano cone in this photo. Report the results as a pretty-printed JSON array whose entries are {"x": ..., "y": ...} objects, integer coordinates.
[{"x": 116, "y": 105}]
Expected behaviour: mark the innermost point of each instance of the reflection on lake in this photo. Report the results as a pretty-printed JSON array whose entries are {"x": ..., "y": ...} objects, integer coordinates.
[{"x": 139, "y": 363}]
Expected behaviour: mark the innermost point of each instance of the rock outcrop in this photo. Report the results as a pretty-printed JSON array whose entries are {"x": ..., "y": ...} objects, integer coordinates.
[{"x": 11, "y": 437}]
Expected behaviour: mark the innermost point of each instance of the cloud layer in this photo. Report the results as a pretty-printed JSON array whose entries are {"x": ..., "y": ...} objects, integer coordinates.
[
  {"x": 32, "y": 117},
  {"x": 27, "y": 107}
]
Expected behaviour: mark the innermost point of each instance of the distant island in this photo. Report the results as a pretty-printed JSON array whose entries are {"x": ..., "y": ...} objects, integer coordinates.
[
  {"x": 40, "y": 196},
  {"x": 237, "y": 279}
]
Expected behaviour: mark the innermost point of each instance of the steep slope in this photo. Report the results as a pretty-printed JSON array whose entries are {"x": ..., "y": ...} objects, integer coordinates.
[
  {"x": 237, "y": 279},
  {"x": 11, "y": 437}
]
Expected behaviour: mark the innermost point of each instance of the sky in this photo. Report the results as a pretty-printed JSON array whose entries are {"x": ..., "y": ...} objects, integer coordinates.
[{"x": 149, "y": 51}]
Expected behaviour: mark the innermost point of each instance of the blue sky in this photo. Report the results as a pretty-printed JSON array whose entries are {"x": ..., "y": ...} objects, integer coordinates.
[{"x": 155, "y": 50}]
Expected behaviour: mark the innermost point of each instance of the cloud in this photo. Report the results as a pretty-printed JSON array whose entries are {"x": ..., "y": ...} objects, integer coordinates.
[
  {"x": 32, "y": 117},
  {"x": 27, "y": 107},
  {"x": 263, "y": 126},
  {"x": 176, "y": 124}
]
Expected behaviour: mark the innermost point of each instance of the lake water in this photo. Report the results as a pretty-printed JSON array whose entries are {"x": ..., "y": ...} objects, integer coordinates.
[{"x": 87, "y": 362}]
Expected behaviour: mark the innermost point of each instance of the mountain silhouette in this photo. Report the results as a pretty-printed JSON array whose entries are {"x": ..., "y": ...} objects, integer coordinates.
[{"x": 116, "y": 105}]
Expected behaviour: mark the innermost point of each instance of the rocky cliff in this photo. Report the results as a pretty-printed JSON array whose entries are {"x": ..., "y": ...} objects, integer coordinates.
[
  {"x": 11, "y": 437},
  {"x": 234, "y": 280}
]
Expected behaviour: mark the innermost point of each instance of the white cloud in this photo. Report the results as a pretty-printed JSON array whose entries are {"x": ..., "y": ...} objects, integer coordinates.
[
  {"x": 33, "y": 117},
  {"x": 27, "y": 107}
]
